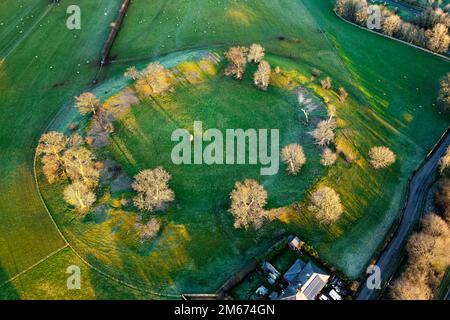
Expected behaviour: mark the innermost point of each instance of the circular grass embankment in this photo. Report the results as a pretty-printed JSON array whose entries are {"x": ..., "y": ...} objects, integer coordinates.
[{"x": 198, "y": 248}]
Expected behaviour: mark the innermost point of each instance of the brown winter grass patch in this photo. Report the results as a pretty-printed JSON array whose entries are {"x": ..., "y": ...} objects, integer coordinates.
[
  {"x": 241, "y": 14},
  {"x": 196, "y": 72}
]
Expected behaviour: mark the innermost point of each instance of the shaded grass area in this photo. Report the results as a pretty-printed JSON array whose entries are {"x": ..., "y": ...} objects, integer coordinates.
[
  {"x": 47, "y": 67},
  {"x": 396, "y": 87},
  {"x": 198, "y": 238},
  {"x": 48, "y": 280},
  {"x": 393, "y": 89},
  {"x": 444, "y": 287},
  {"x": 282, "y": 261}
]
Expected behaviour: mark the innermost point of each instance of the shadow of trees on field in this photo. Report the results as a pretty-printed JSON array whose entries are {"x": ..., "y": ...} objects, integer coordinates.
[{"x": 7, "y": 290}]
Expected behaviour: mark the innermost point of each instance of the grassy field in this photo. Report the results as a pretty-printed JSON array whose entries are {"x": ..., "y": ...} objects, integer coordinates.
[
  {"x": 48, "y": 281},
  {"x": 198, "y": 222},
  {"x": 393, "y": 88},
  {"x": 285, "y": 27},
  {"x": 41, "y": 69}
]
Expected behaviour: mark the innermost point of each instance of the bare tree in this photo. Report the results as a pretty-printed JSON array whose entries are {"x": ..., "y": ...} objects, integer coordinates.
[
  {"x": 435, "y": 226},
  {"x": 324, "y": 132},
  {"x": 294, "y": 157},
  {"x": 148, "y": 230},
  {"x": 154, "y": 80},
  {"x": 326, "y": 205},
  {"x": 328, "y": 157},
  {"x": 381, "y": 157},
  {"x": 103, "y": 121},
  {"x": 256, "y": 53},
  {"x": 353, "y": 10},
  {"x": 420, "y": 247},
  {"x": 237, "y": 62},
  {"x": 131, "y": 73},
  {"x": 362, "y": 14},
  {"x": 443, "y": 195},
  {"x": 444, "y": 162},
  {"x": 262, "y": 75},
  {"x": 444, "y": 93},
  {"x": 87, "y": 103},
  {"x": 326, "y": 83},
  {"x": 248, "y": 200},
  {"x": 51, "y": 146},
  {"x": 75, "y": 140},
  {"x": 80, "y": 166},
  {"x": 438, "y": 39},
  {"x": 316, "y": 73},
  {"x": 152, "y": 187},
  {"x": 80, "y": 196},
  {"x": 430, "y": 250},
  {"x": 412, "y": 285},
  {"x": 391, "y": 24},
  {"x": 343, "y": 95}
]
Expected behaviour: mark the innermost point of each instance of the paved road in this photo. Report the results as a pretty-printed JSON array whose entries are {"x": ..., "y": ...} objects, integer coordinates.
[
  {"x": 419, "y": 185},
  {"x": 414, "y": 11}
]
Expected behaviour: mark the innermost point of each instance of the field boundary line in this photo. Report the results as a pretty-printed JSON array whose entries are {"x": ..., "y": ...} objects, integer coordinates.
[
  {"x": 19, "y": 42},
  {"x": 103, "y": 273},
  {"x": 115, "y": 28},
  {"x": 393, "y": 38},
  {"x": 34, "y": 265}
]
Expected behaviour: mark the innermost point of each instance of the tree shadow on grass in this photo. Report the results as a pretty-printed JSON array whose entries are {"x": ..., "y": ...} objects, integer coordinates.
[
  {"x": 109, "y": 289},
  {"x": 7, "y": 290}
]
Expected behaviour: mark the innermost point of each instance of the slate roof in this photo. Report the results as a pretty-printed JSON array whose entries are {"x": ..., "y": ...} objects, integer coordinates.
[{"x": 306, "y": 280}]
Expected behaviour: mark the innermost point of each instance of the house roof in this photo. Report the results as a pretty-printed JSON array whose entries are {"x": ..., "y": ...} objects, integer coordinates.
[
  {"x": 267, "y": 267},
  {"x": 295, "y": 242},
  {"x": 314, "y": 285},
  {"x": 306, "y": 280}
]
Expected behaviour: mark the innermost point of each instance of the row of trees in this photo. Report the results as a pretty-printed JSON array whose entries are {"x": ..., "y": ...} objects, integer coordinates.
[
  {"x": 67, "y": 158},
  {"x": 380, "y": 157},
  {"x": 428, "y": 259},
  {"x": 239, "y": 56},
  {"x": 429, "y": 30},
  {"x": 444, "y": 93},
  {"x": 249, "y": 198},
  {"x": 431, "y": 3},
  {"x": 428, "y": 250}
]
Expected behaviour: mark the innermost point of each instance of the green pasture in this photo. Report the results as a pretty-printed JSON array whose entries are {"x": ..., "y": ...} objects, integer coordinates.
[
  {"x": 392, "y": 86},
  {"x": 38, "y": 75},
  {"x": 48, "y": 280},
  {"x": 393, "y": 89},
  {"x": 198, "y": 239}
]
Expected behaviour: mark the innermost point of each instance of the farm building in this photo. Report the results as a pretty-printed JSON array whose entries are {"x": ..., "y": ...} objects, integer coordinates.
[
  {"x": 295, "y": 243},
  {"x": 271, "y": 272}
]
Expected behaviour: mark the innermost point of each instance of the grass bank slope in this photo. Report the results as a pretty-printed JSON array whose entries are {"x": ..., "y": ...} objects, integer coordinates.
[
  {"x": 41, "y": 68},
  {"x": 393, "y": 89}
]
